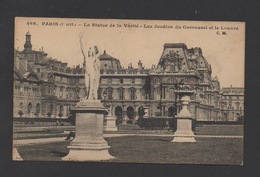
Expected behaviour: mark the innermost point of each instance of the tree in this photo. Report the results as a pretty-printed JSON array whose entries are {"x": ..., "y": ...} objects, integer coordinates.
[
  {"x": 49, "y": 114},
  {"x": 60, "y": 115},
  {"x": 20, "y": 113},
  {"x": 141, "y": 112}
]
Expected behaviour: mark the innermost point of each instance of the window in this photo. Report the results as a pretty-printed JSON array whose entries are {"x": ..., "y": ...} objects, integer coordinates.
[
  {"x": 132, "y": 80},
  {"x": 49, "y": 89},
  {"x": 132, "y": 94},
  {"x": 158, "y": 94},
  {"x": 121, "y": 81},
  {"x": 54, "y": 90},
  {"x": 121, "y": 93},
  {"x": 109, "y": 93},
  {"x": 109, "y": 80},
  {"x": 61, "y": 91},
  {"x": 237, "y": 105},
  {"x": 201, "y": 77},
  {"x": 99, "y": 93}
]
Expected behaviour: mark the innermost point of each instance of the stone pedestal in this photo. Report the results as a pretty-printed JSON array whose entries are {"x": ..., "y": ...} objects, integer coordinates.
[
  {"x": 184, "y": 131},
  {"x": 16, "y": 155},
  {"x": 111, "y": 123},
  {"x": 89, "y": 143}
]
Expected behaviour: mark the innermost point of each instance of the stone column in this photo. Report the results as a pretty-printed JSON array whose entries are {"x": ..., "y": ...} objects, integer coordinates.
[
  {"x": 184, "y": 131},
  {"x": 89, "y": 143}
]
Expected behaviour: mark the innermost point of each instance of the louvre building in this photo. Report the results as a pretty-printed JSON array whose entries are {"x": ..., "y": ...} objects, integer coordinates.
[{"x": 46, "y": 87}]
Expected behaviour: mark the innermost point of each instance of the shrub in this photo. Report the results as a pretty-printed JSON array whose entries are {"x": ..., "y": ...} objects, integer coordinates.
[
  {"x": 20, "y": 113},
  {"x": 49, "y": 114},
  {"x": 60, "y": 115},
  {"x": 157, "y": 123},
  {"x": 72, "y": 119},
  {"x": 162, "y": 123},
  {"x": 240, "y": 120}
]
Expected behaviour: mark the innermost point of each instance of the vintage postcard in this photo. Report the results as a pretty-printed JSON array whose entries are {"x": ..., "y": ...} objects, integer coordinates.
[{"x": 128, "y": 91}]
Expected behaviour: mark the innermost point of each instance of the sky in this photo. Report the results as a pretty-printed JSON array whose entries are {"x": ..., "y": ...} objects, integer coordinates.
[{"x": 60, "y": 37}]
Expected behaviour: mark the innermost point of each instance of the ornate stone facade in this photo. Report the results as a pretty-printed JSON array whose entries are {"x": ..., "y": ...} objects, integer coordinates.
[{"x": 47, "y": 87}]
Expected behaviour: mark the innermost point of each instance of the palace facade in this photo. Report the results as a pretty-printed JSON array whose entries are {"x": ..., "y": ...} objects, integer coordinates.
[{"x": 46, "y": 87}]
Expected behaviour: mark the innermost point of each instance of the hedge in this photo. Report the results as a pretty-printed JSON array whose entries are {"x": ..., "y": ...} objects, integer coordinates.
[
  {"x": 161, "y": 123},
  {"x": 27, "y": 119}
]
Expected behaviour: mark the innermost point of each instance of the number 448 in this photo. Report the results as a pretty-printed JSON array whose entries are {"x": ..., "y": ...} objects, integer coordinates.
[{"x": 31, "y": 23}]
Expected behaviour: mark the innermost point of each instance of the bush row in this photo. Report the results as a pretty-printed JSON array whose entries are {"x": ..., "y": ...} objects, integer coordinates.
[
  {"x": 27, "y": 119},
  {"x": 161, "y": 123}
]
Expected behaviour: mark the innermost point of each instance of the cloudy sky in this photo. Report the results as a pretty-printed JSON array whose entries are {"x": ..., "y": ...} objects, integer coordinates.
[{"x": 60, "y": 39}]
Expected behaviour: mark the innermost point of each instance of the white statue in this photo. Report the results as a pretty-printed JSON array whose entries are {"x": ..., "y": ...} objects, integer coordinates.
[{"x": 92, "y": 70}]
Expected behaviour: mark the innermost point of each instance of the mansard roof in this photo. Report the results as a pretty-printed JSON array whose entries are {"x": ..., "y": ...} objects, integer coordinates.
[{"x": 174, "y": 45}]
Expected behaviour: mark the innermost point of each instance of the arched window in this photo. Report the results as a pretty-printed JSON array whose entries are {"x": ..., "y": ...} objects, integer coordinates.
[
  {"x": 132, "y": 93},
  {"x": 121, "y": 93},
  {"x": 61, "y": 111},
  {"x": 29, "y": 109}
]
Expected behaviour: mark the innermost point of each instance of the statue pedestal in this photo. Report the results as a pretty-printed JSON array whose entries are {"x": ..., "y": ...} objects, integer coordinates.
[
  {"x": 111, "y": 123},
  {"x": 184, "y": 131},
  {"x": 89, "y": 143},
  {"x": 16, "y": 155}
]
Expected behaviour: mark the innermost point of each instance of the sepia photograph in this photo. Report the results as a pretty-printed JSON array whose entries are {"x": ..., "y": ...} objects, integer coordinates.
[{"x": 128, "y": 91}]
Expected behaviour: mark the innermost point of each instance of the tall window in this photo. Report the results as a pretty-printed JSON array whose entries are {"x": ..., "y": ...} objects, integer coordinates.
[
  {"x": 109, "y": 93},
  {"x": 158, "y": 94},
  {"x": 237, "y": 105},
  {"x": 121, "y": 81},
  {"x": 49, "y": 89},
  {"x": 61, "y": 91},
  {"x": 132, "y": 93},
  {"x": 99, "y": 93},
  {"x": 121, "y": 93}
]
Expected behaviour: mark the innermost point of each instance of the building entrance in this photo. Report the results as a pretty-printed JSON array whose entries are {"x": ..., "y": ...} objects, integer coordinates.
[
  {"x": 130, "y": 112},
  {"x": 119, "y": 114}
]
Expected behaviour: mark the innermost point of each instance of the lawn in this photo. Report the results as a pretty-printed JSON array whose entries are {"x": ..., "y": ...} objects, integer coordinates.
[{"x": 141, "y": 149}]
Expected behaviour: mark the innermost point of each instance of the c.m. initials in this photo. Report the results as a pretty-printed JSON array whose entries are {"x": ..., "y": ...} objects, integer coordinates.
[{"x": 221, "y": 33}]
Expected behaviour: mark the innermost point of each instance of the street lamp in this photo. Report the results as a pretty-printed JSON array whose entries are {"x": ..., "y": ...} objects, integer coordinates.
[
  {"x": 222, "y": 108},
  {"x": 107, "y": 104}
]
